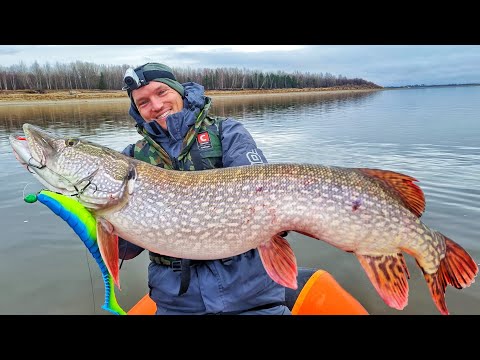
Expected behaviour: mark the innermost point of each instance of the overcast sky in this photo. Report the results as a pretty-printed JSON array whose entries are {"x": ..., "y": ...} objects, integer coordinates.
[{"x": 385, "y": 65}]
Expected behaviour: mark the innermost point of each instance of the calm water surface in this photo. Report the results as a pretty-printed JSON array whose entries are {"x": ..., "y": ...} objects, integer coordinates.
[{"x": 431, "y": 134}]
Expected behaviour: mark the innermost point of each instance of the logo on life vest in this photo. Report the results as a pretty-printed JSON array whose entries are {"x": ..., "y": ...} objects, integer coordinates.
[{"x": 203, "y": 140}]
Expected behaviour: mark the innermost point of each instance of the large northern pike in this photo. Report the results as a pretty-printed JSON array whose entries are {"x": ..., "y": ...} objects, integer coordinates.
[{"x": 219, "y": 213}]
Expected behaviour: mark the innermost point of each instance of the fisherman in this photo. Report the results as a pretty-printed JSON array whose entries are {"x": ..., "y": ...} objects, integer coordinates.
[{"x": 179, "y": 133}]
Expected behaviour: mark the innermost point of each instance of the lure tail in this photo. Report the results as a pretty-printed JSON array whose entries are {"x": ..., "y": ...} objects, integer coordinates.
[{"x": 84, "y": 225}]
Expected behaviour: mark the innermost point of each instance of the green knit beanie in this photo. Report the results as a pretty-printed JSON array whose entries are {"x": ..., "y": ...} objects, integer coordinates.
[{"x": 160, "y": 73}]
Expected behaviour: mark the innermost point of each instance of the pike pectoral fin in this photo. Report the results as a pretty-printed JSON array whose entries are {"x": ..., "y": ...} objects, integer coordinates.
[
  {"x": 279, "y": 261},
  {"x": 388, "y": 274},
  {"x": 108, "y": 246}
]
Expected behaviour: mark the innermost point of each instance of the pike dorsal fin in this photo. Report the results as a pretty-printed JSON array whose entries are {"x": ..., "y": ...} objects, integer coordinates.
[
  {"x": 388, "y": 274},
  {"x": 279, "y": 261},
  {"x": 108, "y": 245},
  {"x": 403, "y": 185}
]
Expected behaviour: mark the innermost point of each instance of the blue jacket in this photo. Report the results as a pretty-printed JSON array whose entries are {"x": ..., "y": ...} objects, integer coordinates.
[{"x": 237, "y": 285}]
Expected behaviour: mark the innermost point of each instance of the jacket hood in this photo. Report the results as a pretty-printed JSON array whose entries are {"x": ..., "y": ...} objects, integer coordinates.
[{"x": 178, "y": 123}]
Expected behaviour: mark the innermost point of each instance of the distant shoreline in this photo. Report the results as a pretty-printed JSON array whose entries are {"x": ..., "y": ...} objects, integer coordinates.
[{"x": 9, "y": 97}]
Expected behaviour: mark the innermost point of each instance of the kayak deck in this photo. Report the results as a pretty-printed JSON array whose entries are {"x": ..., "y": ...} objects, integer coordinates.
[{"x": 320, "y": 295}]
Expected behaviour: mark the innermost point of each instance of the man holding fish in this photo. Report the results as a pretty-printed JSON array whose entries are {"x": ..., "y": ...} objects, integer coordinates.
[
  {"x": 179, "y": 134},
  {"x": 230, "y": 218}
]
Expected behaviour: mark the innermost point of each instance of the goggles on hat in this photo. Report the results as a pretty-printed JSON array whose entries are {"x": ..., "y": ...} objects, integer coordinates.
[{"x": 135, "y": 78}]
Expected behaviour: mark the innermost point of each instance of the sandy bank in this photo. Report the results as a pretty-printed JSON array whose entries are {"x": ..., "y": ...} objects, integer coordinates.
[{"x": 9, "y": 98}]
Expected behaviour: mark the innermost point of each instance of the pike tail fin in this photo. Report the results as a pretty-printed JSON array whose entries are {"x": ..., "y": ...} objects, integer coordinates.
[
  {"x": 279, "y": 261},
  {"x": 457, "y": 268},
  {"x": 388, "y": 274}
]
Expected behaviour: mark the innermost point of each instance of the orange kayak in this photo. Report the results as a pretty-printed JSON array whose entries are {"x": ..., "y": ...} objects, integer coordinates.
[{"x": 321, "y": 294}]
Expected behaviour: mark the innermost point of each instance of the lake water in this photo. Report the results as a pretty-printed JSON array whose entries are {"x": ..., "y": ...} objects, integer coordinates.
[{"x": 432, "y": 134}]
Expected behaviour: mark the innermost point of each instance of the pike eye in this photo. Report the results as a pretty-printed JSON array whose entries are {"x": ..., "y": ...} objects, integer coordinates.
[{"x": 71, "y": 142}]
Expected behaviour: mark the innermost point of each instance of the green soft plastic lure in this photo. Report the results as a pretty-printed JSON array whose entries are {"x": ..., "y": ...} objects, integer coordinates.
[{"x": 85, "y": 226}]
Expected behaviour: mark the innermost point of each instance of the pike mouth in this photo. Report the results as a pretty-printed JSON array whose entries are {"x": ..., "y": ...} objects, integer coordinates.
[
  {"x": 34, "y": 146},
  {"x": 21, "y": 149},
  {"x": 22, "y": 152}
]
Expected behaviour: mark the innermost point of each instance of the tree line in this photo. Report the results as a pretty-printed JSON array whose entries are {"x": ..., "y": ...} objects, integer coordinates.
[{"x": 89, "y": 76}]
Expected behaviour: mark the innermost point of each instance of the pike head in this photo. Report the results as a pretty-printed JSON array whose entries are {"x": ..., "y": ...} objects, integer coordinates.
[{"x": 98, "y": 176}]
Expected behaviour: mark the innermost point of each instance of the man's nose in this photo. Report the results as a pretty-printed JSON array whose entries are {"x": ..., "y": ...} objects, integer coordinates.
[{"x": 157, "y": 104}]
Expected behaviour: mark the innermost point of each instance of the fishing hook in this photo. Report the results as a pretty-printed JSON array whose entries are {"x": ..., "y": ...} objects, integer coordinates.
[{"x": 34, "y": 165}]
